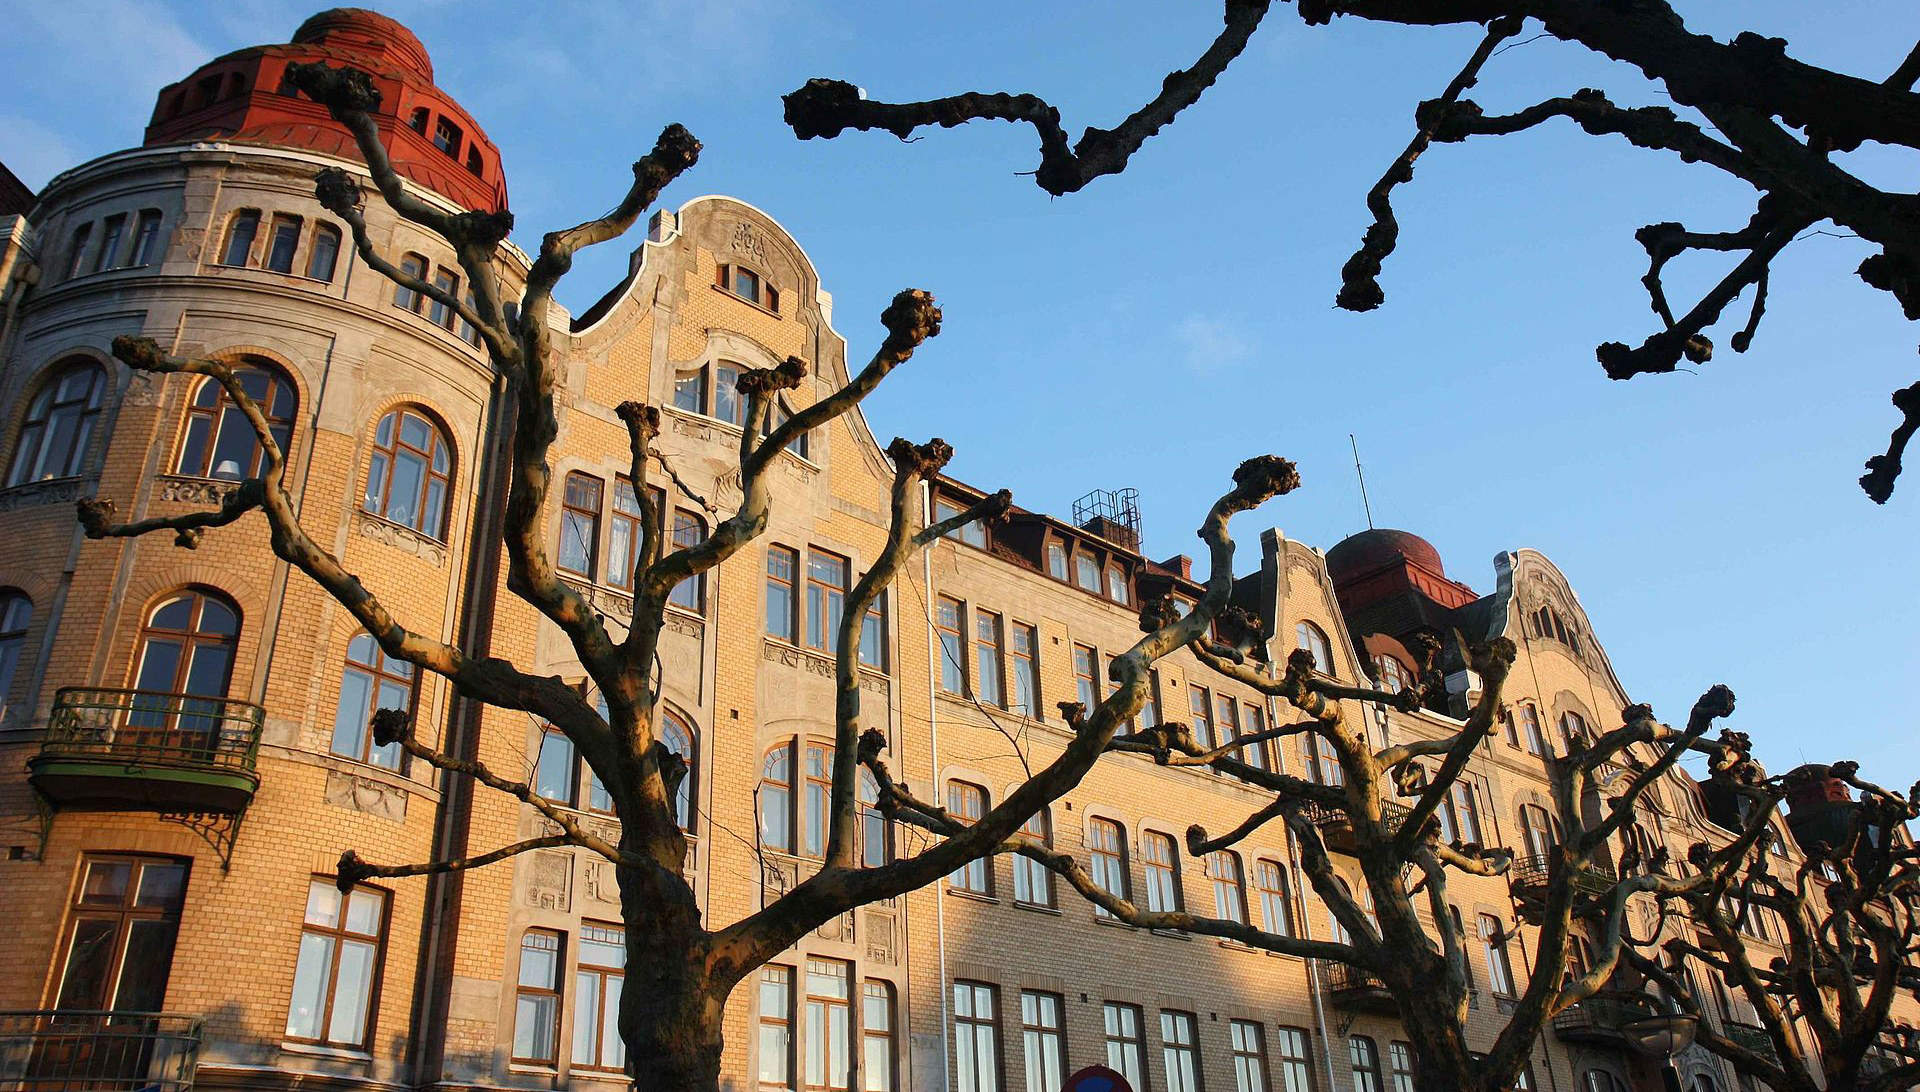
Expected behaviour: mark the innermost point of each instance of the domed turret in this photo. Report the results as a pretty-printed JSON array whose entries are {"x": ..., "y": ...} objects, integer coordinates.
[
  {"x": 1357, "y": 555},
  {"x": 245, "y": 98}
]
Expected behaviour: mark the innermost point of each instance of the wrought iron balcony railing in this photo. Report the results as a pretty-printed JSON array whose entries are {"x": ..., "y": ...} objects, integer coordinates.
[
  {"x": 1336, "y": 827},
  {"x": 146, "y": 750},
  {"x": 1350, "y": 987},
  {"x": 71, "y": 1051},
  {"x": 1597, "y": 1020},
  {"x": 1751, "y": 1036},
  {"x": 1529, "y": 879}
]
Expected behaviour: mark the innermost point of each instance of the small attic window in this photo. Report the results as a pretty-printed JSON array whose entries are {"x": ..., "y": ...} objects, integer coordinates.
[
  {"x": 474, "y": 166},
  {"x": 418, "y": 123},
  {"x": 206, "y": 91},
  {"x": 446, "y": 137},
  {"x": 748, "y": 285}
]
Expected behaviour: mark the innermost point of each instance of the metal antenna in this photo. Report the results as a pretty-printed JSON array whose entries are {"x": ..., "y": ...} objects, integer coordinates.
[{"x": 1362, "y": 475}]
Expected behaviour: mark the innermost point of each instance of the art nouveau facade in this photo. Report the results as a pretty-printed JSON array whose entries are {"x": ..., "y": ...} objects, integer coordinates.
[{"x": 184, "y": 730}]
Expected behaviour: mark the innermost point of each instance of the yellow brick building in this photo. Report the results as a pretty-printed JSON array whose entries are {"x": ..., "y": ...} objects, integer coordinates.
[{"x": 129, "y": 885}]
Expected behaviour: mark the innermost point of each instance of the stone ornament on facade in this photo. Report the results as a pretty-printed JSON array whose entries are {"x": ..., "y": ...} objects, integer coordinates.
[
  {"x": 53, "y": 491},
  {"x": 393, "y": 534}
]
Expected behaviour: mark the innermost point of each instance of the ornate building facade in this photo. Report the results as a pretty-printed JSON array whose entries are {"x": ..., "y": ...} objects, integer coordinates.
[{"x": 184, "y": 731}]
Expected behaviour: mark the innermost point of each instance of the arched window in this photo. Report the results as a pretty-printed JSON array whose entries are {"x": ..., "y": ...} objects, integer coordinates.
[
  {"x": 1107, "y": 856},
  {"x": 1229, "y": 888},
  {"x": 241, "y": 231},
  {"x": 776, "y": 799},
  {"x": 678, "y": 737},
  {"x": 1537, "y": 830},
  {"x": 187, "y": 647},
  {"x": 968, "y": 803},
  {"x": 1162, "y": 861},
  {"x": 410, "y": 473},
  {"x": 1276, "y": 901},
  {"x": 146, "y": 238},
  {"x": 1394, "y": 676},
  {"x": 370, "y": 681},
  {"x": 1599, "y": 1080},
  {"x": 1573, "y": 730},
  {"x": 324, "y": 253},
  {"x": 1365, "y": 1056},
  {"x": 219, "y": 442},
  {"x": 1314, "y": 640},
  {"x": 16, "y": 610},
  {"x": 58, "y": 428}
]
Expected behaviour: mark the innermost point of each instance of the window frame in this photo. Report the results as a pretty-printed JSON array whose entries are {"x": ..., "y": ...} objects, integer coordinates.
[
  {"x": 777, "y": 976},
  {"x": 1162, "y": 876},
  {"x": 1229, "y": 890},
  {"x": 1119, "y": 1044},
  {"x": 245, "y": 239},
  {"x": 1309, "y": 636},
  {"x": 283, "y": 243},
  {"x": 1035, "y": 878},
  {"x": 1187, "y": 1050},
  {"x": 225, "y": 412},
  {"x": 886, "y": 1076},
  {"x": 1086, "y": 665},
  {"x": 1295, "y": 1070},
  {"x": 1272, "y": 896},
  {"x": 951, "y": 638},
  {"x": 47, "y": 413},
  {"x": 990, "y": 657},
  {"x": 1104, "y": 857},
  {"x": 339, "y": 935},
  {"x": 382, "y": 670},
  {"x": 125, "y": 915},
  {"x": 384, "y": 459},
  {"x": 1036, "y": 1035},
  {"x": 977, "y": 1026},
  {"x": 817, "y": 1026},
  {"x": 556, "y": 992},
  {"x": 826, "y": 602},
  {"x": 575, "y": 514},
  {"x": 146, "y": 237},
  {"x": 599, "y": 975},
  {"x": 1363, "y": 1058},
  {"x": 787, "y": 587},
  {"x": 1249, "y": 1054},
  {"x": 968, "y": 802},
  {"x": 330, "y": 250}
]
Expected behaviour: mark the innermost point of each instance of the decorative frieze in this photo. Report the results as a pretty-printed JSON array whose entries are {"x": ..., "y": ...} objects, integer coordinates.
[
  {"x": 208, "y": 492},
  {"x": 33, "y": 494},
  {"x": 364, "y": 794},
  {"x": 550, "y": 880},
  {"x": 400, "y": 537}
]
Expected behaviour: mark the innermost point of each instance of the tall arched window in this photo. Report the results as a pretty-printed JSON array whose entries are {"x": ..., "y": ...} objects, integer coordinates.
[
  {"x": 874, "y": 844},
  {"x": 324, "y": 253},
  {"x": 219, "y": 442},
  {"x": 410, "y": 473},
  {"x": 1033, "y": 881},
  {"x": 1314, "y": 640},
  {"x": 1394, "y": 675},
  {"x": 59, "y": 425},
  {"x": 1229, "y": 888},
  {"x": 187, "y": 647},
  {"x": 678, "y": 737},
  {"x": 1537, "y": 830},
  {"x": 16, "y": 610},
  {"x": 776, "y": 799},
  {"x": 371, "y": 681}
]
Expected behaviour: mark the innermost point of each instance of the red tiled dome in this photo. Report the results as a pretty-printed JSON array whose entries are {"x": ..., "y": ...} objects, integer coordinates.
[
  {"x": 370, "y": 32},
  {"x": 1375, "y": 548}
]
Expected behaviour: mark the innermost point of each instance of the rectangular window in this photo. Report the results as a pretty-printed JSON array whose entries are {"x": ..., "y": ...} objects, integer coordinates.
[
  {"x": 690, "y": 391},
  {"x": 1466, "y": 811},
  {"x": 817, "y": 791},
  {"x": 1033, "y": 881},
  {"x": 405, "y": 298},
  {"x": 556, "y": 770},
  {"x": 1254, "y": 754},
  {"x": 120, "y": 935},
  {"x": 438, "y": 312},
  {"x": 1117, "y": 585},
  {"x": 1084, "y": 659},
  {"x": 283, "y": 240},
  {"x": 876, "y": 1034},
  {"x": 1086, "y": 571},
  {"x": 1249, "y": 1057},
  {"x": 323, "y": 254},
  {"x": 781, "y": 563},
  {"x": 826, "y": 599},
  {"x": 1276, "y": 905},
  {"x": 446, "y": 137},
  {"x": 1126, "y": 1042},
  {"x": 1163, "y": 876},
  {"x": 688, "y": 531},
  {"x": 1200, "y": 704},
  {"x": 989, "y": 678},
  {"x": 1040, "y": 1033},
  {"x": 240, "y": 236},
  {"x": 968, "y": 803},
  {"x": 596, "y": 998},
  {"x": 77, "y": 250},
  {"x": 1530, "y": 730},
  {"x": 829, "y": 1025},
  {"x": 580, "y": 524},
  {"x": 1226, "y": 715},
  {"x": 623, "y": 534},
  {"x": 1026, "y": 671},
  {"x": 536, "y": 1013},
  {"x": 1180, "y": 1051},
  {"x": 1293, "y": 1051},
  {"x": 1107, "y": 857},
  {"x": 873, "y": 634},
  {"x": 1229, "y": 891},
  {"x": 1150, "y": 712},
  {"x": 1499, "y": 964},
  {"x": 1057, "y": 560},
  {"x": 110, "y": 239},
  {"x": 973, "y": 534},
  {"x": 776, "y": 1027},
  {"x": 1322, "y": 765},
  {"x": 976, "y": 1037},
  {"x": 1400, "y": 1063},
  {"x": 953, "y": 645},
  {"x": 333, "y": 983},
  {"x": 146, "y": 238}
]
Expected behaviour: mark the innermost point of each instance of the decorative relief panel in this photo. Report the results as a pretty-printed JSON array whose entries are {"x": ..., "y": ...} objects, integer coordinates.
[
  {"x": 57, "y": 491},
  {"x": 880, "y": 941},
  {"x": 550, "y": 880},
  {"x": 404, "y": 538},
  {"x": 597, "y": 883},
  {"x": 838, "y": 928},
  {"x": 777, "y": 877},
  {"x": 208, "y": 491},
  {"x": 345, "y": 790}
]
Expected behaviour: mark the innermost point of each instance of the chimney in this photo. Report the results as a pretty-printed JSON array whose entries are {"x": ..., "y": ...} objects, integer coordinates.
[
  {"x": 663, "y": 224},
  {"x": 1180, "y": 563}
]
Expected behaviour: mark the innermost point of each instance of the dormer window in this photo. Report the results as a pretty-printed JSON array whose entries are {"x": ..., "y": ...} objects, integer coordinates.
[
  {"x": 748, "y": 285},
  {"x": 1086, "y": 572},
  {"x": 474, "y": 165},
  {"x": 973, "y": 534},
  {"x": 418, "y": 122},
  {"x": 1057, "y": 560},
  {"x": 1117, "y": 584}
]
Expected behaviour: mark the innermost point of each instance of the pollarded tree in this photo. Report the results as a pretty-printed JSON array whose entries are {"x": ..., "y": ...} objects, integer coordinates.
[
  {"x": 682, "y": 969},
  {"x": 1850, "y": 915},
  {"x": 1775, "y": 123},
  {"x": 1402, "y": 857}
]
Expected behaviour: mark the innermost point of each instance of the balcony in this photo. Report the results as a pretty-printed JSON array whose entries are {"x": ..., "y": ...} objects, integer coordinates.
[
  {"x": 1336, "y": 829},
  {"x": 1349, "y": 987},
  {"x": 1529, "y": 881},
  {"x": 137, "y": 750},
  {"x": 1751, "y": 1036},
  {"x": 1597, "y": 1021},
  {"x": 67, "y": 1051}
]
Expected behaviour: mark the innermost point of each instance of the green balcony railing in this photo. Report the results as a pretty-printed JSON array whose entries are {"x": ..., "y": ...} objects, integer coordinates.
[
  {"x": 147, "y": 750},
  {"x": 1751, "y": 1036},
  {"x": 1530, "y": 877},
  {"x": 71, "y": 1051}
]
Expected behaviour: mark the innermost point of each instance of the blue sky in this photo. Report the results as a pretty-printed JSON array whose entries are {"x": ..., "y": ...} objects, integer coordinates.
[{"x": 1163, "y": 324}]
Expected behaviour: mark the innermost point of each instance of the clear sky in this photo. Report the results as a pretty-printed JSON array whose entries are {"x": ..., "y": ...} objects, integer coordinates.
[{"x": 1164, "y": 324}]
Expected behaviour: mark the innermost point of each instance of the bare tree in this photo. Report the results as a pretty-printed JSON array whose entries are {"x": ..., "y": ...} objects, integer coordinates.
[
  {"x": 1402, "y": 857},
  {"x": 1770, "y": 121},
  {"x": 1850, "y": 912},
  {"x": 682, "y": 969}
]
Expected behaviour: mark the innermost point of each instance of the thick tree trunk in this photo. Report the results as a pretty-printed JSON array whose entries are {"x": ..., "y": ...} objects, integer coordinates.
[
  {"x": 1441, "y": 1061},
  {"x": 670, "y": 1008}
]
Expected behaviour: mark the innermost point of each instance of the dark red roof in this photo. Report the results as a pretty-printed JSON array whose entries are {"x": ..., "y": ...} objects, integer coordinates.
[
  {"x": 1372, "y": 549},
  {"x": 242, "y": 98}
]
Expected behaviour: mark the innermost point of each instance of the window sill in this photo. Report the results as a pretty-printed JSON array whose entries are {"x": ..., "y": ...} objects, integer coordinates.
[
  {"x": 1039, "y": 908},
  {"x": 1171, "y": 934},
  {"x": 404, "y": 528},
  {"x": 316, "y": 1050},
  {"x": 972, "y": 896},
  {"x": 1103, "y": 919},
  {"x": 738, "y": 298}
]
